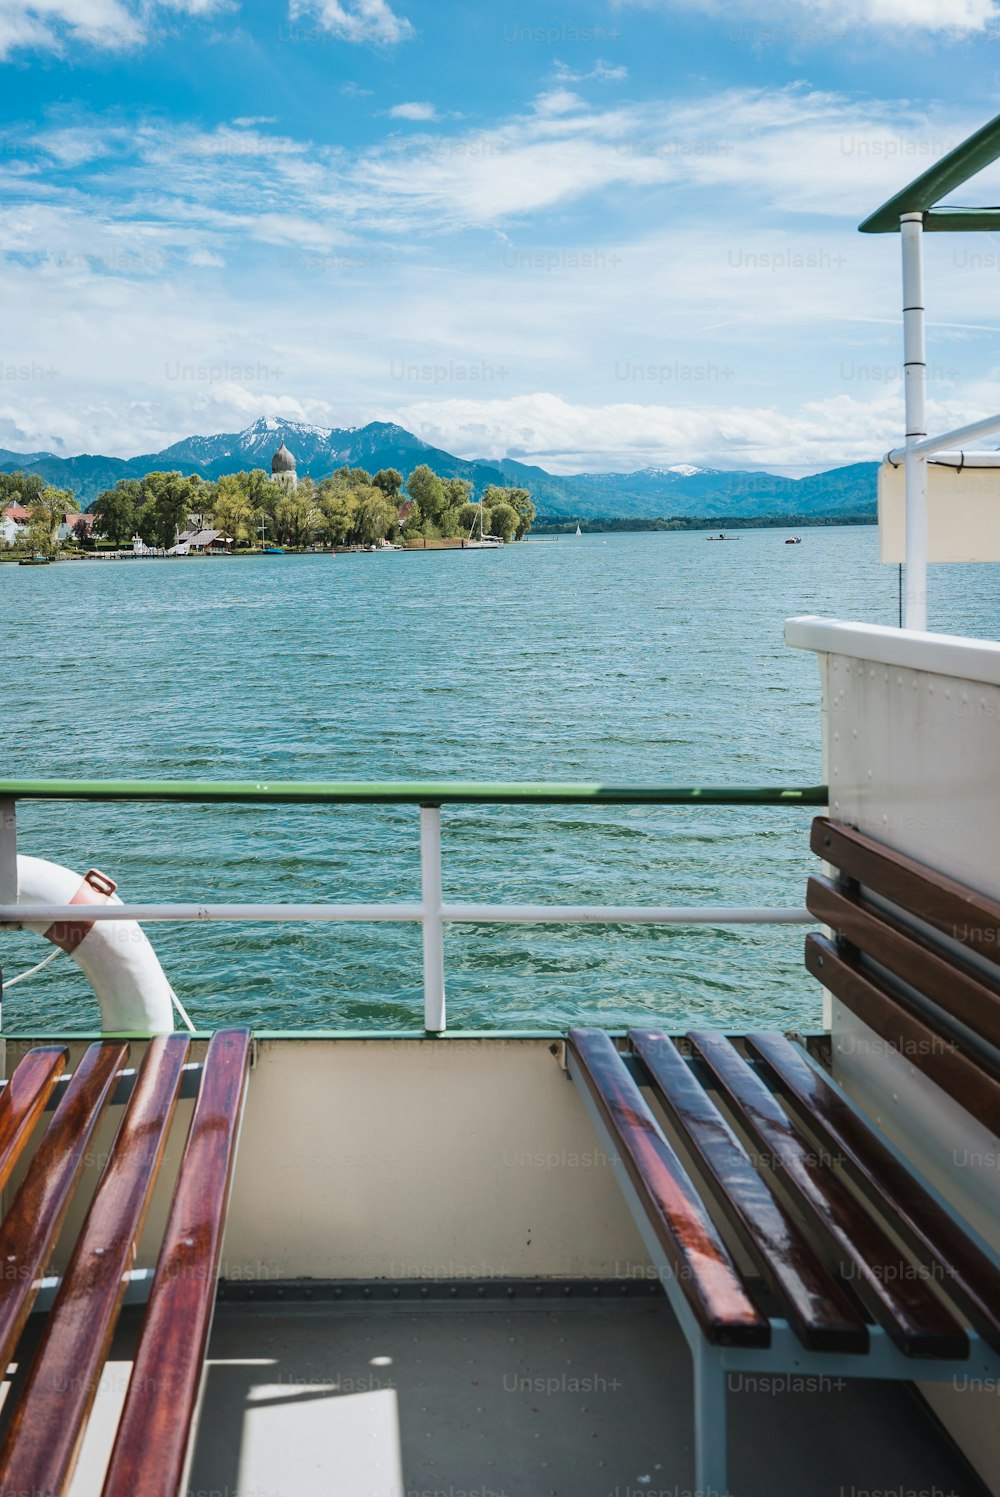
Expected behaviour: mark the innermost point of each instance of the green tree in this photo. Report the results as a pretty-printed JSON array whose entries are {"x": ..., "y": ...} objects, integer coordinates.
[
  {"x": 520, "y": 501},
  {"x": 116, "y": 510},
  {"x": 297, "y": 516},
  {"x": 457, "y": 491},
  {"x": 234, "y": 512},
  {"x": 145, "y": 520},
  {"x": 338, "y": 507},
  {"x": 427, "y": 490},
  {"x": 390, "y": 481},
  {"x": 45, "y": 514},
  {"x": 376, "y": 516},
  {"x": 468, "y": 517},
  {"x": 173, "y": 496},
  {"x": 503, "y": 520},
  {"x": 20, "y": 488}
]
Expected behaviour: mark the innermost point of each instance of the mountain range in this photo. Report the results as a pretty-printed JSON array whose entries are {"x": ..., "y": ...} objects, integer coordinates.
[{"x": 683, "y": 490}]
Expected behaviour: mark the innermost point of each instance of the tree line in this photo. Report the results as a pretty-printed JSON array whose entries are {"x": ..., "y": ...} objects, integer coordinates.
[{"x": 350, "y": 507}]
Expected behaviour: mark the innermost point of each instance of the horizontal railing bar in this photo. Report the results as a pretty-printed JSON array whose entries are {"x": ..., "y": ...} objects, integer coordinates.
[
  {"x": 454, "y": 914},
  {"x": 628, "y": 914},
  {"x": 411, "y": 792},
  {"x": 46, "y": 914},
  {"x": 948, "y": 439}
]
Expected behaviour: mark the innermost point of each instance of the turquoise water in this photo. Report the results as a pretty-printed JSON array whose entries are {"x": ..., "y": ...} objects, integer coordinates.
[{"x": 627, "y": 658}]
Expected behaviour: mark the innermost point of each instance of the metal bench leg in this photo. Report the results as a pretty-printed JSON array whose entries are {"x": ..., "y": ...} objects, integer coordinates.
[{"x": 709, "y": 1424}]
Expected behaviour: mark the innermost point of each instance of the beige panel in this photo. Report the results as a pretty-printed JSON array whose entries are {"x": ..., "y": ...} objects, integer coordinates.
[
  {"x": 422, "y": 1158},
  {"x": 963, "y": 513}
]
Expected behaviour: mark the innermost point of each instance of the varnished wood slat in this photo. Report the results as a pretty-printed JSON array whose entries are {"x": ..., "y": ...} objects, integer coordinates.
[
  {"x": 970, "y": 918},
  {"x": 30, "y": 1228},
  {"x": 815, "y": 1304},
  {"x": 912, "y": 1037},
  {"x": 41, "y": 1444},
  {"x": 905, "y": 1306},
  {"x": 151, "y": 1445},
  {"x": 23, "y": 1100},
  {"x": 951, "y": 1258},
  {"x": 911, "y": 957},
  {"x": 719, "y": 1300}
]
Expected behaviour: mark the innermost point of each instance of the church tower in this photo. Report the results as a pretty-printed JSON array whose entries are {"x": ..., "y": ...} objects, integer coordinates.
[{"x": 283, "y": 468}]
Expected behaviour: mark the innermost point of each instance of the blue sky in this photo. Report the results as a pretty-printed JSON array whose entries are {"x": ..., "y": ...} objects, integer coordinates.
[{"x": 592, "y": 236}]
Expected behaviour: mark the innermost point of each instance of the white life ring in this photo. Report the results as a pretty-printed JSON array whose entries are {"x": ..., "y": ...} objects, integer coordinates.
[{"x": 114, "y": 955}]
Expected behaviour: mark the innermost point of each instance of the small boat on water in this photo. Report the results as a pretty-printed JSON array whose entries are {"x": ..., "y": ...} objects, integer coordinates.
[
  {"x": 578, "y": 530},
  {"x": 35, "y": 561},
  {"x": 483, "y": 542},
  {"x": 793, "y": 540},
  {"x": 273, "y": 550}
]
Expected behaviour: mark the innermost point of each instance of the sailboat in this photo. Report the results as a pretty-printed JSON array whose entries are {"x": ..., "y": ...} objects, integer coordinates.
[
  {"x": 484, "y": 542},
  {"x": 578, "y": 530}
]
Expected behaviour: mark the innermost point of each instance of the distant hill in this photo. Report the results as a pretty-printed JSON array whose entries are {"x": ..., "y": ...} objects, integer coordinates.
[{"x": 681, "y": 490}]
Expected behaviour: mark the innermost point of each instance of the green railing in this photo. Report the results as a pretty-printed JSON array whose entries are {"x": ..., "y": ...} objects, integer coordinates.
[{"x": 411, "y": 792}]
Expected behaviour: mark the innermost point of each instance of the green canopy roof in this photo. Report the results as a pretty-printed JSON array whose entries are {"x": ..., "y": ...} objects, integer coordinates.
[{"x": 950, "y": 172}]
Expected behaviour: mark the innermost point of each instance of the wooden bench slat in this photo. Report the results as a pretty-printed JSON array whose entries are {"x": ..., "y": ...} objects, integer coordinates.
[
  {"x": 953, "y": 908},
  {"x": 915, "y": 1040},
  {"x": 968, "y": 1275},
  {"x": 912, "y": 958},
  {"x": 712, "y": 1286},
  {"x": 917, "y": 1321},
  {"x": 23, "y": 1100},
  {"x": 32, "y": 1224},
  {"x": 151, "y": 1445},
  {"x": 40, "y": 1447},
  {"x": 815, "y": 1304}
]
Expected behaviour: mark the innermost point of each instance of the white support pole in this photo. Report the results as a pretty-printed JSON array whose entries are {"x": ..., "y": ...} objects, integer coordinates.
[
  {"x": 8, "y": 879},
  {"x": 8, "y": 851},
  {"x": 911, "y": 227},
  {"x": 431, "y": 888}
]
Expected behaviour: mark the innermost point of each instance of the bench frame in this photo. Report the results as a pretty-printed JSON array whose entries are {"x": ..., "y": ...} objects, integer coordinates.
[{"x": 786, "y": 1355}]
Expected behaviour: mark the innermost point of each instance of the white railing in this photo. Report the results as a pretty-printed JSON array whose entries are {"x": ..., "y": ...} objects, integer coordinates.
[{"x": 432, "y": 912}]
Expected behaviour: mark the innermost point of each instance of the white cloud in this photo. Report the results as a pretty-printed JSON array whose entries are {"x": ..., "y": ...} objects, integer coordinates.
[
  {"x": 601, "y": 72},
  {"x": 563, "y": 437},
  {"x": 109, "y": 25},
  {"x": 355, "y": 20},
  {"x": 248, "y": 121},
  {"x": 47, "y": 24},
  {"x": 205, "y": 258},
  {"x": 412, "y": 111},
  {"x": 796, "y": 21},
  {"x": 558, "y": 101}
]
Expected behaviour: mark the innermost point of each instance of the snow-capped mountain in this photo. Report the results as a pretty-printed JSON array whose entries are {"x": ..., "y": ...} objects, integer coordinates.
[{"x": 682, "y": 489}]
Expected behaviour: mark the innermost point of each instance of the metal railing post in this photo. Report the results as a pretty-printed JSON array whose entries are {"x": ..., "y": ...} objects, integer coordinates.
[
  {"x": 433, "y": 925},
  {"x": 8, "y": 850},
  {"x": 911, "y": 228}
]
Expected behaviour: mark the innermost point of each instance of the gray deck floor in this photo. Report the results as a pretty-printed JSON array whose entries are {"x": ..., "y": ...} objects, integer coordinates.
[{"x": 524, "y": 1400}]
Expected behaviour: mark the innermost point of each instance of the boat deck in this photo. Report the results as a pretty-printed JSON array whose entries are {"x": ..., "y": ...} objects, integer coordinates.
[{"x": 482, "y": 1394}]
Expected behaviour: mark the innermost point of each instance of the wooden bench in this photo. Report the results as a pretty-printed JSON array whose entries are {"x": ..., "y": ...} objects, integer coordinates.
[
  {"x": 858, "y": 1267},
  {"x": 54, "y": 1396}
]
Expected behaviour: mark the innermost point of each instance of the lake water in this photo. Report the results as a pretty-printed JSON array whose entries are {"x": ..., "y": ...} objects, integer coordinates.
[{"x": 628, "y": 658}]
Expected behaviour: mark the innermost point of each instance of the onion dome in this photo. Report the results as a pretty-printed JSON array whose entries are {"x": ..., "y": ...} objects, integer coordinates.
[{"x": 282, "y": 461}]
